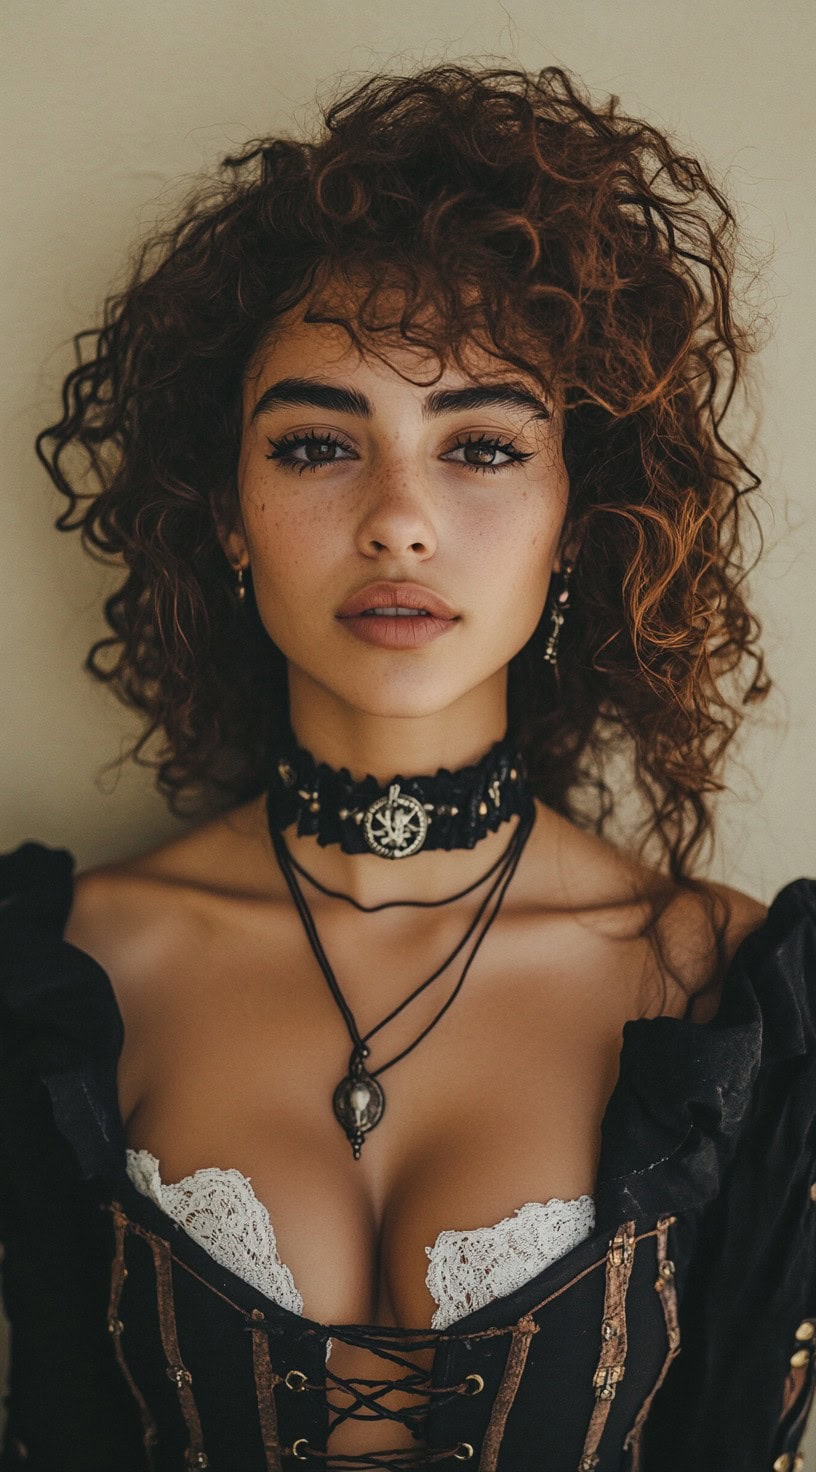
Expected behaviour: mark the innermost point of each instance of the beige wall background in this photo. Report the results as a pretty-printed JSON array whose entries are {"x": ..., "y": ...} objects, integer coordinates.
[{"x": 109, "y": 109}]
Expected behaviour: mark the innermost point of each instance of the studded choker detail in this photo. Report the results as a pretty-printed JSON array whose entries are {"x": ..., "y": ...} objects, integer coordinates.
[{"x": 407, "y": 814}]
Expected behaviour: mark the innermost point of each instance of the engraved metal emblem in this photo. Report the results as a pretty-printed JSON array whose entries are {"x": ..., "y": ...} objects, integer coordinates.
[
  {"x": 358, "y": 1103},
  {"x": 395, "y": 826}
]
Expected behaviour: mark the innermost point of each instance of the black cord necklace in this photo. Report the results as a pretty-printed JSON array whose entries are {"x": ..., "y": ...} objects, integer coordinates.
[
  {"x": 359, "y": 1099},
  {"x": 337, "y": 894}
]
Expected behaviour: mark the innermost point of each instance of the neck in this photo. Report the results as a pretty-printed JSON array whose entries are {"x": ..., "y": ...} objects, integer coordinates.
[
  {"x": 372, "y": 881},
  {"x": 382, "y": 748},
  {"x": 383, "y": 744}
]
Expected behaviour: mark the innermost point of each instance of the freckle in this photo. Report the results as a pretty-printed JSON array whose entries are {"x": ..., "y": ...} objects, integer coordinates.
[{"x": 263, "y": 505}]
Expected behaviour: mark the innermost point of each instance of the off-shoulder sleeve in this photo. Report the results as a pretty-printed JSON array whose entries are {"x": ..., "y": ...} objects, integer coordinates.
[
  {"x": 738, "y": 1396},
  {"x": 58, "y": 1050}
]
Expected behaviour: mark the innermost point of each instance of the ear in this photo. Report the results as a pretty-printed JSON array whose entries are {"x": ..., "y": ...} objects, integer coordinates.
[
  {"x": 235, "y": 549},
  {"x": 232, "y": 536},
  {"x": 568, "y": 551}
]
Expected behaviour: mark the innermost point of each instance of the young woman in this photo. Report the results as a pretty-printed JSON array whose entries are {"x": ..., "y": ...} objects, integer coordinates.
[{"x": 395, "y": 1115}]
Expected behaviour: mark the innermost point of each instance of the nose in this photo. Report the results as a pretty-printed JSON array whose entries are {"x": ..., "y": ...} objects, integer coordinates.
[{"x": 398, "y": 517}]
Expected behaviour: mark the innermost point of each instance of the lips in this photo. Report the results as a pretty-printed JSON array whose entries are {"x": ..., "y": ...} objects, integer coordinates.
[{"x": 399, "y": 595}]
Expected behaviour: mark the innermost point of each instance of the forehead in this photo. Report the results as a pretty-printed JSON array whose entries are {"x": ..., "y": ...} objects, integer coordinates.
[
  {"x": 327, "y": 345},
  {"x": 294, "y": 343}
]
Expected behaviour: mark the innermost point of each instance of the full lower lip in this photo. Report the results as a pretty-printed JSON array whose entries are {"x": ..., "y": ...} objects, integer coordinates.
[{"x": 395, "y": 631}]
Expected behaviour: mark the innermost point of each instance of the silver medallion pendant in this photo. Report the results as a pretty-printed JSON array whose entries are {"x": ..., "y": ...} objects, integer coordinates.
[
  {"x": 358, "y": 1103},
  {"x": 395, "y": 826}
]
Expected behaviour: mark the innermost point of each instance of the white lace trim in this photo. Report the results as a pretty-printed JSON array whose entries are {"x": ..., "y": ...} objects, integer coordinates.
[
  {"x": 220, "y": 1211},
  {"x": 469, "y": 1269}
]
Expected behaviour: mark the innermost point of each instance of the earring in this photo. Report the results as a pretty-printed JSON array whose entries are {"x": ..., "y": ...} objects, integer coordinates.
[
  {"x": 558, "y": 608},
  {"x": 240, "y": 590}
]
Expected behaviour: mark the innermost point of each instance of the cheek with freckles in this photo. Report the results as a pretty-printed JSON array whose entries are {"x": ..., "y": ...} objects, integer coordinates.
[
  {"x": 303, "y": 560},
  {"x": 494, "y": 564},
  {"x": 516, "y": 573}
]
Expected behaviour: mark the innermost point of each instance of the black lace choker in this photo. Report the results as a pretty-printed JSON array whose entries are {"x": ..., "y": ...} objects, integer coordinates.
[{"x": 406, "y": 815}]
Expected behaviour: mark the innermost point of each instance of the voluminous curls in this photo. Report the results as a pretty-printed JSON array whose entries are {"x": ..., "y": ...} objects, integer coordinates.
[{"x": 568, "y": 239}]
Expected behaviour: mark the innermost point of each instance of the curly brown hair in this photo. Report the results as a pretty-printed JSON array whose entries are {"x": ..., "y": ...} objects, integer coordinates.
[{"x": 569, "y": 239}]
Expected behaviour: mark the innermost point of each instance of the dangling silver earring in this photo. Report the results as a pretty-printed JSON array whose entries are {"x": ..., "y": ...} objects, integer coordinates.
[
  {"x": 559, "y": 603},
  {"x": 240, "y": 589}
]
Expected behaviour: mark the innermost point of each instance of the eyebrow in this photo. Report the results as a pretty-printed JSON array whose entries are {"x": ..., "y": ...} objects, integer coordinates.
[{"x": 341, "y": 399}]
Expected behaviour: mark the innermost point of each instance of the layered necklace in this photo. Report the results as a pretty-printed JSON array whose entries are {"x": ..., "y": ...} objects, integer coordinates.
[{"x": 394, "y": 820}]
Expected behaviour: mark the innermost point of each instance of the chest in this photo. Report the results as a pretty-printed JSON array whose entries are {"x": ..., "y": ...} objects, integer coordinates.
[{"x": 232, "y": 1055}]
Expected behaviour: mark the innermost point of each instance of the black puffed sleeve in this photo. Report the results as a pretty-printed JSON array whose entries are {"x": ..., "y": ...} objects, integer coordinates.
[
  {"x": 738, "y": 1396},
  {"x": 60, "y": 1035}
]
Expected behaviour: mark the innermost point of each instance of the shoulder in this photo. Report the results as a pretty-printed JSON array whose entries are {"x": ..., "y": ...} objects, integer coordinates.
[
  {"x": 139, "y": 914},
  {"x": 735, "y": 912},
  {"x": 144, "y": 920},
  {"x": 743, "y": 913},
  {"x": 587, "y": 871},
  {"x": 701, "y": 930},
  {"x": 668, "y": 930},
  {"x": 131, "y": 915}
]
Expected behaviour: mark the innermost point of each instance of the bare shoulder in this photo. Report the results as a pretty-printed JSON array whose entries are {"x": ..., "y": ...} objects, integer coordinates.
[
  {"x": 119, "y": 919},
  {"x": 606, "y": 888},
  {"x": 688, "y": 929},
  {"x": 134, "y": 914},
  {"x": 734, "y": 911},
  {"x": 745, "y": 913},
  {"x": 669, "y": 930}
]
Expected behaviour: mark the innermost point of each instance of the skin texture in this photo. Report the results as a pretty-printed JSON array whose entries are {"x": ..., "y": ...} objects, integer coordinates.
[{"x": 233, "y": 1042}]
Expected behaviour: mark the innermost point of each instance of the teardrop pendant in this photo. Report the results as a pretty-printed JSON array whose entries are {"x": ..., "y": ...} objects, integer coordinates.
[{"x": 359, "y": 1102}]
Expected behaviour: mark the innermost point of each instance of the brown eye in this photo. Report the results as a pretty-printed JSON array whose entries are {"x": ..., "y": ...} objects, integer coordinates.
[
  {"x": 481, "y": 447},
  {"x": 282, "y": 451}
]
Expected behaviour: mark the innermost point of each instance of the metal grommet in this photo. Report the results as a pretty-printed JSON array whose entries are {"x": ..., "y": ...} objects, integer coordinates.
[
  {"x": 667, "y": 1268},
  {"x": 475, "y": 1382},
  {"x": 464, "y": 1452},
  {"x": 295, "y": 1379},
  {"x": 179, "y": 1374},
  {"x": 302, "y": 1456}
]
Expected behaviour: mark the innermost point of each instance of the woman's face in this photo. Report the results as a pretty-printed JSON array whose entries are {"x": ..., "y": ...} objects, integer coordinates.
[{"x": 381, "y": 485}]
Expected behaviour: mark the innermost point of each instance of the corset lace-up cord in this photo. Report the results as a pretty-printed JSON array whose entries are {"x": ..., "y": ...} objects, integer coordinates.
[
  {"x": 367, "y": 1393},
  {"x": 367, "y": 1396},
  {"x": 381, "y": 1340}
]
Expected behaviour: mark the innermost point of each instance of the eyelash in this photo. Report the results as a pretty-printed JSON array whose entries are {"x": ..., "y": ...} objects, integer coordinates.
[{"x": 293, "y": 442}]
